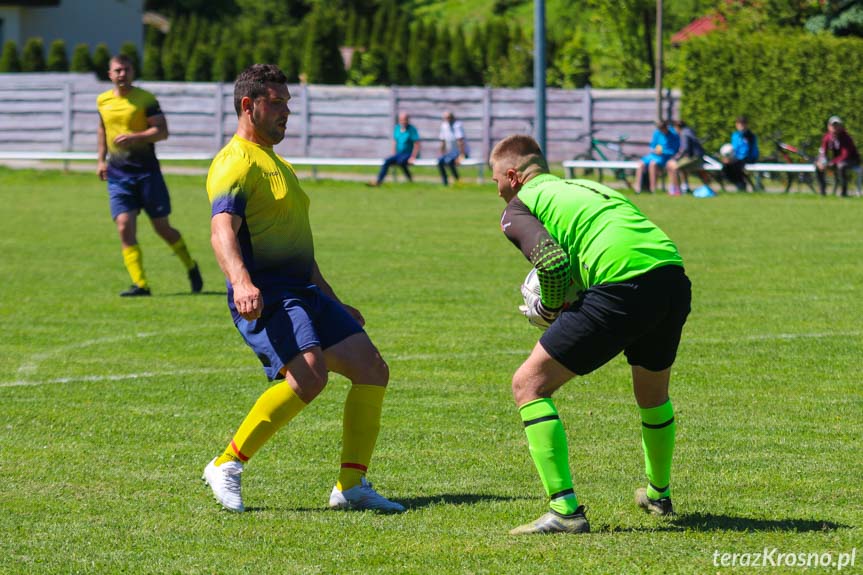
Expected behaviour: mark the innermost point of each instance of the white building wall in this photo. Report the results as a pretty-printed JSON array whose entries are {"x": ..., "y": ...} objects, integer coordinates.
[{"x": 83, "y": 21}]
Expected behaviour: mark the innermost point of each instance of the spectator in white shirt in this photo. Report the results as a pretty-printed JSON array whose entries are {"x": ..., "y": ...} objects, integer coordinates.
[{"x": 453, "y": 146}]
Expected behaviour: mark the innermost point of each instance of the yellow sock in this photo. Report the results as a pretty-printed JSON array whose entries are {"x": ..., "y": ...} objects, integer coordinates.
[
  {"x": 183, "y": 253},
  {"x": 133, "y": 259},
  {"x": 362, "y": 421},
  {"x": 276, "y": 406}
]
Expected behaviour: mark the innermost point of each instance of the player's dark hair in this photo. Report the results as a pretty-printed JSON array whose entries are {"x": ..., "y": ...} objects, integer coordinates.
[
  {"x": 252, "y": 82},
  {"x": 122, "y": 59}
]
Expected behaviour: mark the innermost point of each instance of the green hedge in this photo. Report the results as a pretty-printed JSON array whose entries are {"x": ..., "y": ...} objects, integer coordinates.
[{"x": 789, "y": 84}]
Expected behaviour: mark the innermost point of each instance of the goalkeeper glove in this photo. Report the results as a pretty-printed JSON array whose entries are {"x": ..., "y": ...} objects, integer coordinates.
[{"x": 536, "y": 313}]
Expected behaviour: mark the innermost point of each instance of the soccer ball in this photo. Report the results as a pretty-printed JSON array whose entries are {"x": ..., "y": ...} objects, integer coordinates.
[
  {"x": 531, "y": 282},
  {"x": 726, "y": 151}
]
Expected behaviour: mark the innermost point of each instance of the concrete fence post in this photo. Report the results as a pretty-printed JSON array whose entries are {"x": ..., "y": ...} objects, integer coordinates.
[{"x": 306, "y": 113}]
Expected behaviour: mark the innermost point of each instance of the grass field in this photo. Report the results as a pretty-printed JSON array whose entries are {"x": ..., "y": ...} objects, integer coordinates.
[{"x": 113, "y": 407}]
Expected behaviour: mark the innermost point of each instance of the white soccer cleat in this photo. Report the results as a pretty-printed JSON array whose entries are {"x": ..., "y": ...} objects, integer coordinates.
[
  {"x": 224, "y": 480},
  {"x": 362, "y": 497}
]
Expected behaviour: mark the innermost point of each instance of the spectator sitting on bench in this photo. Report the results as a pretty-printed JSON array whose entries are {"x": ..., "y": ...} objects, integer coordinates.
[
  {"x": 690, "y": 157},
  {"x": 745, "y": 145},
  {"x": 837, "y": 152},
  {"x": 406, "y": 148},
  {"x": 663, "y": 145}
]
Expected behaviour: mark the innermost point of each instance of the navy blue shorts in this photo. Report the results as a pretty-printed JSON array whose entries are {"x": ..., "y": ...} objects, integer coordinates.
[
  {"x": 133, "y": 192},
  {"x": 642, "y": 316},
  {"x": 293, "y": 321}
]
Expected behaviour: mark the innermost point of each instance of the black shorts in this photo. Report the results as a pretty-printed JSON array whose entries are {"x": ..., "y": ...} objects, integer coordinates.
[{"x": 642, "y": 316}]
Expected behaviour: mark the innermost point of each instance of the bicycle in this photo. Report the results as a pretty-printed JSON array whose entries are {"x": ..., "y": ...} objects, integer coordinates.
[
  {"x": 603, "y": 150},
  {"x": 790, "y": 154}
]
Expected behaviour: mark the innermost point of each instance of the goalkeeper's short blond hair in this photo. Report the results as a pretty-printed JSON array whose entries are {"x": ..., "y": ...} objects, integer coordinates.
[{"x": 518, "y": 152}]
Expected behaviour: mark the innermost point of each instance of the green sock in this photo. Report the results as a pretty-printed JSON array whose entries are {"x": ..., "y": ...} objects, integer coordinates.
[
  {"x": 547, "y": 441},
  {"x": 657, "y": 439}
]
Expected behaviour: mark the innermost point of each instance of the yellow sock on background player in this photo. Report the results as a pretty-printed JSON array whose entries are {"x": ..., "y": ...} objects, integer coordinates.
[
  {"x": 133, "y": 259},
  {"x": 179, "y": 248}
]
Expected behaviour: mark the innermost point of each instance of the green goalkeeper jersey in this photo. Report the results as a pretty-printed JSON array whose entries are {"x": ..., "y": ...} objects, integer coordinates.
[{"x": 605, "y": 236}]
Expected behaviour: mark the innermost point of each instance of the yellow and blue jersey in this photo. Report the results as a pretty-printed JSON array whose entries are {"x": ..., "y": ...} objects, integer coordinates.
[
  {"x": 275, "y": 237},
  {"x": 124, "y": 115}
]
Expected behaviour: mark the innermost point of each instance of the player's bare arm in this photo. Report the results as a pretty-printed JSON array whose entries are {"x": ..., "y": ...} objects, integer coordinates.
[
  {"x": 101, "y": 151},
  {"x": 223, "y": 237},
  {"x": 318, "y": 280},
  {"x": 156, "y": 132}
]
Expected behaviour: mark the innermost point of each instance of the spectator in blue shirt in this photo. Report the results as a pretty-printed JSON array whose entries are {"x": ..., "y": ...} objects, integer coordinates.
[
  {"x": 745, "y": 146},
  {"x": 663, "y": 145},
  {"x": 406, "y": 148}
]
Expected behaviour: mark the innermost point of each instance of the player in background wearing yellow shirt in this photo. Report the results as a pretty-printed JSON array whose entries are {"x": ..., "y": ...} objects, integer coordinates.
[
  {"x": 130, "y": 123},
  {"x": 281, "y": 304}
]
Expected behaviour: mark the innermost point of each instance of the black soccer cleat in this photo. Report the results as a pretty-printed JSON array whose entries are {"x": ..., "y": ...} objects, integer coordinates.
[
  {"x": 661, "y": 507},
  {"x": 135, "y": 291},
  {"x": 195, "y": 279}
]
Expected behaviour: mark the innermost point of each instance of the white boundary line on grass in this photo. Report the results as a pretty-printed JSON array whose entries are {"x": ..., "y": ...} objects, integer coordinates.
[
  {"x": 31, "y": 364},
  {"x": 210, "y": 371},
  {"x": 117, "y": 377},
  {"x": 776, "y": 337},
  {"x": 394, "y": 357}
]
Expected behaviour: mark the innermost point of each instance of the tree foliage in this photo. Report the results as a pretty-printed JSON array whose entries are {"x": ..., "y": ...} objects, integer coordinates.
[
  {"x": 57, "y": 60},
  {"x": 768, "y": 77},
  {"x": 322, "y": 60},
  {"x": 200, "y": 67},
  {"x": 33, "y": 55},
  {"x": 81, "y": 60},
  {"x": 9, "y": 60},
  {"x": 224, "y": 62},
  {"x": 101, "y": 60},
  {"x": 604, "y": 43}
]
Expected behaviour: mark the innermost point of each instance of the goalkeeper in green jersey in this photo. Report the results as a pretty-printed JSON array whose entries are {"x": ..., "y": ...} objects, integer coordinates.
[{"x": 635, "y": 298}]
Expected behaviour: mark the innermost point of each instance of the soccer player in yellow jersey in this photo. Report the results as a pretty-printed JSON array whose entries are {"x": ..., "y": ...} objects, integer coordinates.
[
  {"x": 281, "y": 304},
  {"x": 130, "y": 123}
]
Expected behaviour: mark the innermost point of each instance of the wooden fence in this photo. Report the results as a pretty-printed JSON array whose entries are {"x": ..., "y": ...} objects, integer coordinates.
[{"x": 57, "y": 112}]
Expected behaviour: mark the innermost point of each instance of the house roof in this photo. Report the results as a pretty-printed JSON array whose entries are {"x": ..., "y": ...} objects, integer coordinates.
[{"x": 699, "y": 27}]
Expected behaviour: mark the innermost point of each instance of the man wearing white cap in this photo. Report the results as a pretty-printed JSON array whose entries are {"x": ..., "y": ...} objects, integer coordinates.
[{"x": 837, "y": 152}]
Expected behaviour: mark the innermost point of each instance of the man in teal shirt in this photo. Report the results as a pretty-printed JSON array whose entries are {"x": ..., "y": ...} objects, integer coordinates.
[
  {"x": 406, "y": 148},
  {"x": 635, "y": 298}
]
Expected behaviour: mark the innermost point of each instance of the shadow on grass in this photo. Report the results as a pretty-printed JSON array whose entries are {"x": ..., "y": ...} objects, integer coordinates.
[
  {"x": 713, "y": 522},
  {"x": 222, "y": 293},
  {"x": 453, "y": 499},
  {"x": 414, "y": 502}
]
